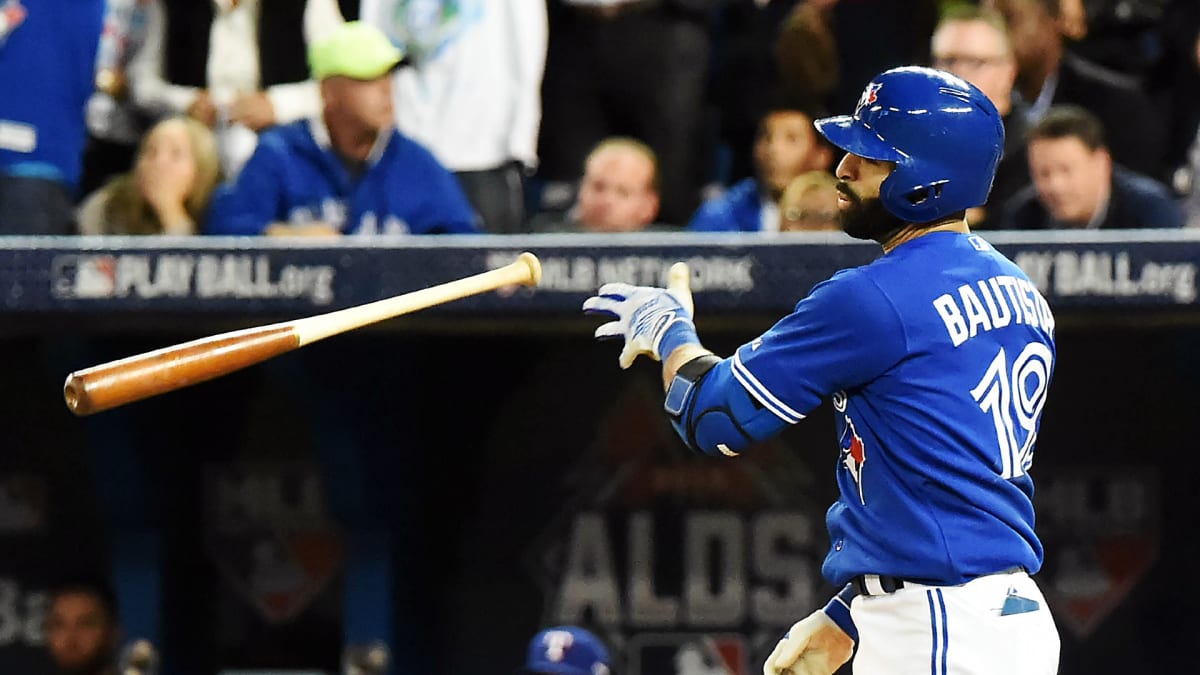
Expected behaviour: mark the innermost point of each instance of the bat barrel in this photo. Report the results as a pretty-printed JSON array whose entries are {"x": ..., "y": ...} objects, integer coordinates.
[{"x": 113, "y": 384}]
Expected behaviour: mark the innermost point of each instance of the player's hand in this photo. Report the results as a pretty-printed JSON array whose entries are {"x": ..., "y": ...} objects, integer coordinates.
[
  {"x": 652, "y": 321},
  {"x": 815, "y": 645}
]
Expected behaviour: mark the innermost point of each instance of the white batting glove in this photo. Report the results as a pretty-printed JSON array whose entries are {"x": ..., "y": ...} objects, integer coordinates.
[
  {"x": 653, "y": 321},
  {"x": 815, "y": 645}
]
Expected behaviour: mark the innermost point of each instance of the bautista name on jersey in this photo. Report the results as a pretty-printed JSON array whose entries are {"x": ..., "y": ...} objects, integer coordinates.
[
  {"x": 937, "y": 357},
  {"x": 991, "y": 303}
]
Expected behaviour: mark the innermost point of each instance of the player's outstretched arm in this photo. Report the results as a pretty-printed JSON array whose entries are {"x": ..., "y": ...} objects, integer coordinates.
[
  {"x": 818, "y": 644},
  {"x": 707, "y": 408}
]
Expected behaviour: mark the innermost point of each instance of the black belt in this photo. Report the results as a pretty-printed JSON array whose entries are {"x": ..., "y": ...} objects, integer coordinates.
[{"x": 883, "y": 584}]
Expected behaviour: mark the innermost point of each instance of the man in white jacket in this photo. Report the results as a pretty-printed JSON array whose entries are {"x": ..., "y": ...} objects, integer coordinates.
[{"x": 473, "y": 92}]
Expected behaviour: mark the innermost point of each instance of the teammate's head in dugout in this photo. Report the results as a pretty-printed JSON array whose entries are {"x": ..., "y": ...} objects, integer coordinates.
[{"x": 82, "y": 629}]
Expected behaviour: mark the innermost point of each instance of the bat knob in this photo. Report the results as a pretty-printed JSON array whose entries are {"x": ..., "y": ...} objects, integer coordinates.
[
  {"x": 679, "y": 280},
  {"x": 535, "y": 267},
  {"x": 76, "y": 395}
]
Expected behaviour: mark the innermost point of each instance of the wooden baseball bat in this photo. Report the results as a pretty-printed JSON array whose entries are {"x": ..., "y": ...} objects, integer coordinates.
[{"x": 116, "y": 383}]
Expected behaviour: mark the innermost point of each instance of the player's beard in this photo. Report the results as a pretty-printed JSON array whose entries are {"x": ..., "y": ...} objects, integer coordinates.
[{"x": 867, "y": 218}]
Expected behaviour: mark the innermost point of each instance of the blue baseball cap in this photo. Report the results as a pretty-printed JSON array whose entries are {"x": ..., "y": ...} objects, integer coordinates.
[{"x": 566, "y": 650}]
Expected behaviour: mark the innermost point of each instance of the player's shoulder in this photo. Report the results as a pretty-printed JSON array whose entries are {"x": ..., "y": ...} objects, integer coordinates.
[
  {"x": 850, "y": 279},
  {"x": 854, "y": 290},
  {"x": 934, "y": 261}
]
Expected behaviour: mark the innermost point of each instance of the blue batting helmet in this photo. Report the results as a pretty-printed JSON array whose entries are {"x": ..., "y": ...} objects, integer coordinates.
[{"x": 943, "y": 133}]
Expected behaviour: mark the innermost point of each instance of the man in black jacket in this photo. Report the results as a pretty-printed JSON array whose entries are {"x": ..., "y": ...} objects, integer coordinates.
[{"x": 1076, "y": 185}]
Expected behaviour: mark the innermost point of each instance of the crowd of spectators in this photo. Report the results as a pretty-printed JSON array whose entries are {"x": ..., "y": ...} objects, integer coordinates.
[{"x": 329, "y": 118}]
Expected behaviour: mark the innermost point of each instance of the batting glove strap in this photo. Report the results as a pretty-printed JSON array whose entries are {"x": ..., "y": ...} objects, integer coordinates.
[
  {"x": 838, "y": 609},
  {"x": 677, "y": 332}
]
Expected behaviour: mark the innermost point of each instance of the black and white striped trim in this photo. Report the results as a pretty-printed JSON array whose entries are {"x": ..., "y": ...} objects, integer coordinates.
[{"x": 762, "y": 394}]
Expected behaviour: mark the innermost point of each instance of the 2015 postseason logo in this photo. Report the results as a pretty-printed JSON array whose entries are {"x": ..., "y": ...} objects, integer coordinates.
[
  {"x": 1102, "y": 530},
  {"x": 268, "y": 530},
  {"x": 147, "y": 276}
]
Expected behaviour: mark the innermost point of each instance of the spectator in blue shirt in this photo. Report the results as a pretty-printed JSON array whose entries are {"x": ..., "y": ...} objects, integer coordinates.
[
  {"x": 350, "y": 171},
  {"x": 787, "y": 146},
  {"x": 47, "y": 66}
]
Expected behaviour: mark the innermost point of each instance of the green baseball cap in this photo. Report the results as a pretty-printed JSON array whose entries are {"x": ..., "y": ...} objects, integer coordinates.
[{"x": 354, "y": 49}]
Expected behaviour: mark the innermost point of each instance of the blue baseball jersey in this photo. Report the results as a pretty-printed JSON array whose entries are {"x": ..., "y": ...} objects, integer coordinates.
[
  {"x": 937, "y": 358},
  {"x": 294, "y": 176}
]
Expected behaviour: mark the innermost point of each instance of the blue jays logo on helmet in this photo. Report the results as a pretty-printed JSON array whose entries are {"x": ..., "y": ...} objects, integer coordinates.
[
  {"x": 942, "y": 132},
  {"x": 869, "y": 96}
]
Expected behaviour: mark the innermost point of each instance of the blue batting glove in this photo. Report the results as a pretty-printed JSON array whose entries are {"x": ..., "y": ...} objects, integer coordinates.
[{"x": 652, "y": 321}]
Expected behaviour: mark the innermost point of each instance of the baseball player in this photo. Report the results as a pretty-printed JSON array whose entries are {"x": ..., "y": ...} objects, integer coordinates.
[{"x": 936, "y": 357}]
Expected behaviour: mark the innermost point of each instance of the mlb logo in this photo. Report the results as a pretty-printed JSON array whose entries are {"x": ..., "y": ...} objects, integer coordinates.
[
  {"x": 84, "y": 276},
  {"x": 687, "y": 654}
]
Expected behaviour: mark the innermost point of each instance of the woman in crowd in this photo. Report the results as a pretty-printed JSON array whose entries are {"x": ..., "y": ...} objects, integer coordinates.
[{"x": 168, "y": 190}]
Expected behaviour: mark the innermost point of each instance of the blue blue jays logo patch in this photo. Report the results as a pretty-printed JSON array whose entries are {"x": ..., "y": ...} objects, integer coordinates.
[
  {"x": 869, "y": 96},
  {"x": 854, "y": 454}
]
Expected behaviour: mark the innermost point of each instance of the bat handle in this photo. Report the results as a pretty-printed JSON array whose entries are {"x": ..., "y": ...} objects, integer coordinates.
[{"x": 679, "y": 280}]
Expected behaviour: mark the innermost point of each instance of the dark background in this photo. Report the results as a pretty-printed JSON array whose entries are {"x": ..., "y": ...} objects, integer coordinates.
[{"x": 471, "y": 455}]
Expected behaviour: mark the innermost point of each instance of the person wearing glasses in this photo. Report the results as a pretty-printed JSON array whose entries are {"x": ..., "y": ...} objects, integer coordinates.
[
  {"x": 1049, "y": 74},
  {"x": 972, "y": 43}
]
